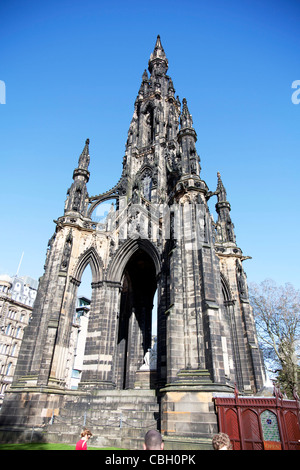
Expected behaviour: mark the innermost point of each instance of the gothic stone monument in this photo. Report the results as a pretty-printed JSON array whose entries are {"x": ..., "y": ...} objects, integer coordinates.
[{"x": 158, "y": 236}]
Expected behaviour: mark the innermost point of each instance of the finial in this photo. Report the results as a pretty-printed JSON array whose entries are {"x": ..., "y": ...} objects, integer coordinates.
[
  {"x": 221, "y": 191},
  {"x": 158, "y": 56},
  {"x": 84, "y": 158},
  {"x": 158, "y": 43},
  {"x": 158, "y": 50},
  {"x": 186, "y": 117}
]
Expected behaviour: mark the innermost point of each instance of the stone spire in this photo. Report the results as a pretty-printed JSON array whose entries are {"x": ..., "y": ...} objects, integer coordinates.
[
  {"x": 84, "y": 158},
  {"x": 152, "y": 147},
  {"x": 158, "y": 61},
  {"x": 187, "y": 138},
  {"x": 225, "y": 227},
  {"x": 186, "y": 120},
  {"x": 77, "y": 193},
  {"x": 221, "y": 194}
]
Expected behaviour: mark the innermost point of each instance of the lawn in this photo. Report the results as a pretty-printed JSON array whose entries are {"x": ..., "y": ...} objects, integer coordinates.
[{"x": 48, "y": 446}]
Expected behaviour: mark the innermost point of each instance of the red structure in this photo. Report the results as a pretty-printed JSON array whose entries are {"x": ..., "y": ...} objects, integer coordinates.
[{"x": 260, "y": 423}]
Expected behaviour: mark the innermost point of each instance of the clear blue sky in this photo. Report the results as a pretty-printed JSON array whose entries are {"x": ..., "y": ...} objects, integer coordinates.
[{"x": 72, "y": 71}]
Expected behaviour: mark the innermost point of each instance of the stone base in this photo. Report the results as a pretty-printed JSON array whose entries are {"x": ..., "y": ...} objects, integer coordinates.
[
  {"x": 188, "y": 415},
  {"x": 117, "y": 418},
  {"x": 184, "y": 410},
  {"x": 145, "y": 379}
]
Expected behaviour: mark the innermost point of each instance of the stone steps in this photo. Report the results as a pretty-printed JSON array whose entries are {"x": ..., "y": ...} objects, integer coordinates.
[{"x": 116, "y": 418}]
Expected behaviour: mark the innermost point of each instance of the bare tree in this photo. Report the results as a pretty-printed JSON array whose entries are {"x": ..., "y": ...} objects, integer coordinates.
[{"x": 277, "y": 315}]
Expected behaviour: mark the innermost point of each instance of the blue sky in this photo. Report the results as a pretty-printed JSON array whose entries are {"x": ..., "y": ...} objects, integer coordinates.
[{"x": 72, "y": 71}]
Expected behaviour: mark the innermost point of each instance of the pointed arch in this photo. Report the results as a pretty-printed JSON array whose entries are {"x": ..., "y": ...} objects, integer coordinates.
[
  {"x": 91, "y": 257},
  {"x": 124, "y": 253},
  {"x": 136, "y": 268},
  {"x": 147, "y": 106},
  {"x": 226, "y": 289},
  {"x": 100, "y": 199}
]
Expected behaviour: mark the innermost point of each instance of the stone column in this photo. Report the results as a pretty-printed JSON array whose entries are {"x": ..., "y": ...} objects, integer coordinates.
[
  {"x": 99, "y": 359},
  {"x": 50, "y": 340}
]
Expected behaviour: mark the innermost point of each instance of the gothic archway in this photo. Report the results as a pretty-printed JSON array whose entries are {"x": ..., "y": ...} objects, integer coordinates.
[
  {"x": 91, "y": 257},
  {"x": 139, "y": 284},
  {"x": 116, "y": 268},
  {"x": 229, "y": 309}
]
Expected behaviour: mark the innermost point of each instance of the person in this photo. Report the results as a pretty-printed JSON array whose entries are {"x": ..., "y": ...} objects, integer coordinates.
[
  {"x": 82, "y": 443},
  {"x": 153, "y": 440},
  {"x": 221, "y": 441}
]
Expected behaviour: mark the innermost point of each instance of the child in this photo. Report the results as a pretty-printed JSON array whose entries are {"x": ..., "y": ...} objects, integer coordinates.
[{"x": 82, "y": 443}]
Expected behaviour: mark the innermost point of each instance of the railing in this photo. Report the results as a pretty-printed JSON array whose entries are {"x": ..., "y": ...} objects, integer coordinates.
[{"x": 117, "y": 421}]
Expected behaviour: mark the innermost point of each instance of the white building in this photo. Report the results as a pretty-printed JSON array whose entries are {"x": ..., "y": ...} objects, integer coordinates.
[
  {"x": 17, "y": 296},
  {"x": 77, "y": 343}
]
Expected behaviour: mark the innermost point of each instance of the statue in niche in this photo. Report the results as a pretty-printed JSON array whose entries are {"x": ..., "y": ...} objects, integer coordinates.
[
  {"x": 150, "y": 358},
  {"x": 171, "y": 130},
  {"x": 158, "y": 118},
  {"x": 173, "y": 161},
  {"x": 146, "y": 364},
  {"x": 229, "y": 230},
  {"x": 149, "y": 120},
  {"x": 241, "y": 280},
  {"x": 149, "y": 129},
  {"x": 155, "y": 177},
  {"x": 135, "y": 196},
  {"x": 77, "y": 197},
  {"x": 147, "y": 186},
  {"x": 193, "y": 167},
  {"x": 67, "y": 252}
]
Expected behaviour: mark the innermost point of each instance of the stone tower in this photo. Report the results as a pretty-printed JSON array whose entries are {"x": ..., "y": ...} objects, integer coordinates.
[{"x": 159, "y": 236}]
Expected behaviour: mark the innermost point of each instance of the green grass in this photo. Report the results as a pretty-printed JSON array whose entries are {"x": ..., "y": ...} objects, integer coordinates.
[{"x": 47, "y": 446}]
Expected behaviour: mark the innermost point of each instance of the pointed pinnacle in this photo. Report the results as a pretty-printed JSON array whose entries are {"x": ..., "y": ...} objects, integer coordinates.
[
  {"x": 222, "y": 195},
  {"x": 186, "y": 119},
  {"x": 158, "y": 53},
  {"x": 158, "y": 44},
  {"x": 145, "y": 76},
  {"x": 84, "y": 158}
]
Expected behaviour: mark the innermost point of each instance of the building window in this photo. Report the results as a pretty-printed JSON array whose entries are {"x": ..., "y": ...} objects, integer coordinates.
[
  {"x": 76, "y": 374},
  {"x": 8, "y": 369},
  {"x": 13, "y": 349},
  {"x": 8, "y": 329},
  {"x": 18, "y": 332},
  {"x": 12, "y": 314}
]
